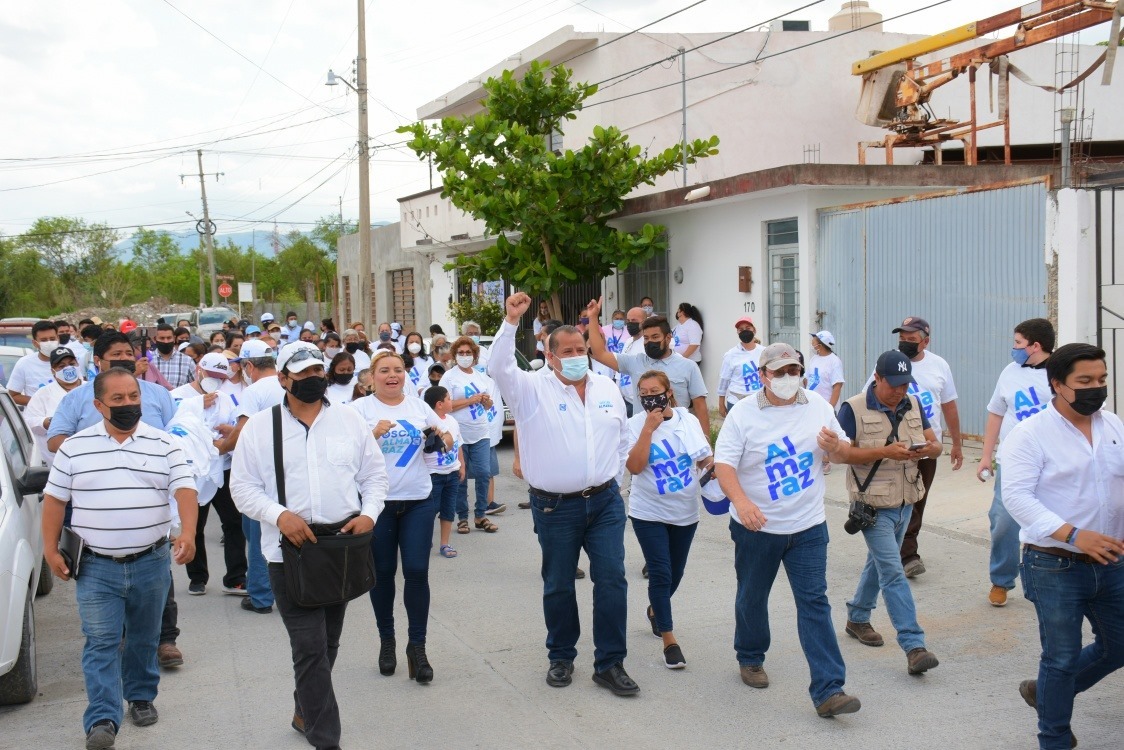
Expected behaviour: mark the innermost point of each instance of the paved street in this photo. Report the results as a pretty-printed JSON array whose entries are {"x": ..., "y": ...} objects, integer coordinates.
[{"x": 486, "y": 643}]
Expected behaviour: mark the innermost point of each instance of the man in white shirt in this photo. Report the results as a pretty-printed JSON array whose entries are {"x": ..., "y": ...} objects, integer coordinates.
[
  {"x": 769, "y": 462},
  {"x": 573, "y": 441},
  {"x": 740, "y": 374},
  {"x": 936, "y": 392},
  {"x": 334, "y": 472},
  {"x": 33, "y": 371},
  {"x": 1063, "y": 482},
  {"x": 41, "y": 409},
  {"x": 1021, "y": 392}
]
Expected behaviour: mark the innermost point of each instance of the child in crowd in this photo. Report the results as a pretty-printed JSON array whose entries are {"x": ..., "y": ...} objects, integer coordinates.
[{"x": 446, "y": 468}]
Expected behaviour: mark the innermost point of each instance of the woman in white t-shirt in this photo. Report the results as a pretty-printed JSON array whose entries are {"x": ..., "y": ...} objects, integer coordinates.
[
  {"x": 341, "y": 379},
  {"x": 536, "y": 328},
  {"x": 666, "y": 449},
  {"x": 406, "y": 523},
  {"x": 688, "y": 334},
  {"x": 446, "y": 468},
  {"x": 420, "y": 362},
  {"x": 824, "y": 371},
  {"x": 475, "y": 412}
]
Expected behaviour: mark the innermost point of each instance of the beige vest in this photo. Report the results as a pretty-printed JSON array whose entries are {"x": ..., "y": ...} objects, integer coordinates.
[{"x": 897, "y": 483}]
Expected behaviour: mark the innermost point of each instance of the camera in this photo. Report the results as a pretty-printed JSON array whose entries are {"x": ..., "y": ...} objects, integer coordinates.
[
  {"x": 433, "y": 442},
  {"x": 860, "y": 516}
]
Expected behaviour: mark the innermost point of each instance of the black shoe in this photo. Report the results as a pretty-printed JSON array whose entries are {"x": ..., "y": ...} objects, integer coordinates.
[
  {"x": 525, "y": 505},
  {"x": 387, "y": 660},
  {"x": 197, "y": 589},
  {"x": 417, "y": 663},
  {"x": 101, "y": 736},
  {"x": 644, "y": 570},
  {"x": 579, "y": 573},
  {"x": 143, "y": 713},
  {"x": 652, "y": 620},
  {"x": 673, "y": 657},
  {"x": 616, "y": 679},
  {"x": 560, "y": 674},
  {"x": 248, "y": 605},
  {"x": 495, "y": 508}
]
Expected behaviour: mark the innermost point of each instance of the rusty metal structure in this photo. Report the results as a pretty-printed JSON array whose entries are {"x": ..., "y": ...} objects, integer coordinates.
[{"x": 897, "y": 87}]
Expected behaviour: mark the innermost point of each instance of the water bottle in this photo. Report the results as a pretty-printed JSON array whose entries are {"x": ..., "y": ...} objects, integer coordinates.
[{"x": 985, "y": 474}]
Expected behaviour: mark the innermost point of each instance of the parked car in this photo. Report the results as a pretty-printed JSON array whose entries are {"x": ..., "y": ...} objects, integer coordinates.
[
  {"x": 207, "y": 320},
  {"x": 9, "y": 355},
  {"x": 171, "y": 317},
  {"x": 17, "y": 332},
  {"x": 23, "y": 575}
]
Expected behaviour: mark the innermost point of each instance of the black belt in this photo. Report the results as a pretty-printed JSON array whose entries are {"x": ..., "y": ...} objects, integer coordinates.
[
  {"x": 586, "y": 493},
  {"x": 1064, "y": 553},
  {"x": 131, "y": 556}
]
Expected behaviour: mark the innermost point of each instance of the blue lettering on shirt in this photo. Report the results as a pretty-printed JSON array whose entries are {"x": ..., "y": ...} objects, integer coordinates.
[
  {"x": 751, "y": 378},
  {"x": 404, "y": 439},
  {"x": 925, "y": 398},
  {"x": 625, "y": 380},
  {"x": 787, "y": 472},
  {"x": 615, "y": 344},
  {"x": 672, "y": 470},
  {"x": 475, "y": 411},
  {"x": 449, "y": 457},
  {"x": 561, "y": 407},
  {"x": 1027, "y": 404},
  {"x": 814, "y": 379}
]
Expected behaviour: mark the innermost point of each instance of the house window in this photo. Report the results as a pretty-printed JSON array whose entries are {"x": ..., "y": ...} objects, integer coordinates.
[
  {"x": 782, "y": 242},
  {"x": 402, "y": 298},
  {"x": 648, "y": 279}
]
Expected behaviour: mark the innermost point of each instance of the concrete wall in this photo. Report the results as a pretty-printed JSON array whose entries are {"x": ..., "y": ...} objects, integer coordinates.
[
  {"x": 1071, "y": 239},
  {"x": 387, "y": 255}
]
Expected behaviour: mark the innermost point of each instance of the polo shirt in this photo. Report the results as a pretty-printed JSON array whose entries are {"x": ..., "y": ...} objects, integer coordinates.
[
  {"x": 76, "y": 411},
  {"x": 686, "y": 379}
]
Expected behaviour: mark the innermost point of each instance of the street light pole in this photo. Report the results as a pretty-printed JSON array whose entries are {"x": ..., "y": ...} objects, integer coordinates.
[
  {"x": 207, "y": 240},
  {"x": 366, "y": 314}
]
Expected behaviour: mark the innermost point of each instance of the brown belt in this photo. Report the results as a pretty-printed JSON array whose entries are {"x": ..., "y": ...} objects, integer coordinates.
[{"x": 1059, "y": 552}]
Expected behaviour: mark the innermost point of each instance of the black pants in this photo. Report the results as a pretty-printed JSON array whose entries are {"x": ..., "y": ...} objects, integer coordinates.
[
  {"x": 169, "y": 631},
  {"x": 927, "y": 468},
  {"x": 234, "y": 542},
  {"x": 314, "y": 636}
]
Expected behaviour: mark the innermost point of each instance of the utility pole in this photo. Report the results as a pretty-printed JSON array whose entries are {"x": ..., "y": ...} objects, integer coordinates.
[
  {"x": 683, "y": 86},
  {"x": 366, "y": 314},
  {"x": 208, "y": 232}
]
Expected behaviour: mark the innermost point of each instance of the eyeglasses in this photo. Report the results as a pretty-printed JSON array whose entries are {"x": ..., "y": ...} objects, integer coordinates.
[{"x": 302, "y": 355}]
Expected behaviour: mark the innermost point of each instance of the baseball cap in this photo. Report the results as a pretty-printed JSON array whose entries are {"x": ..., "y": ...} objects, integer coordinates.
[
  {"x": 299, "y": 356},
  {"x": 128, "y": 326},
  {"x": 895, "y": 368},
  {"x": 436, "y": 367},
  {"x": 214, "y": 362},
  {"x": 266, "y": 317},
  {"x": 396, "y": 326},
  {"x": 779, "y": 355},
  {"x": 274, "y": 326},
  {"x": 825, "y": 338},
  {"x": 911, "y": 324},
  {"x": 309, "y": 325},
  {"x": 252, "y": 330},
  {"x": 255, "y": 349},
  {"x": 61, "y": 353},
  {"x": 744, "y": 319},
  {"x": 231, "y": 356}
]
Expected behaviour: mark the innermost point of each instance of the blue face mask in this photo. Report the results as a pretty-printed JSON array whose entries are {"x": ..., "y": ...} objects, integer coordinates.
[
  {"x": 1019, "y": 356},
  {"x": 475, "y": 339},
  {"x": 618, "y": 324},
  {"x": 575, "y": 368}
]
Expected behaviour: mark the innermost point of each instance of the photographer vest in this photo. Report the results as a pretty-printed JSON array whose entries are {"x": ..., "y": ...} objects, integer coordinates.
[{"x": 895, "y": 483}]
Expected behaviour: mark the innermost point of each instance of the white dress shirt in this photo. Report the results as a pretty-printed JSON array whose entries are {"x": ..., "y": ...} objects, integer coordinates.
[
  {"x": 42, "y": 405},
  {"x": 333, "y": 469},
  {"x": 565, "y": 445},
  {"x": 1053, "y": 476}
]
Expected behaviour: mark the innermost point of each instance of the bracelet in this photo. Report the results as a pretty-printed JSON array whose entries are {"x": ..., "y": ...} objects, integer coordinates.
[{"x": 1071, "y": 535}]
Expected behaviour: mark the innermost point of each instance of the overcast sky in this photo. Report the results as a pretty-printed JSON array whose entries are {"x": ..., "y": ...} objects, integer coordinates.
[{"x": 84, "y": 82}]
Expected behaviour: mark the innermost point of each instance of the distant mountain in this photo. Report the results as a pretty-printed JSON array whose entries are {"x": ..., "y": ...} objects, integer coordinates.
[{"x": 188, "y": 240}]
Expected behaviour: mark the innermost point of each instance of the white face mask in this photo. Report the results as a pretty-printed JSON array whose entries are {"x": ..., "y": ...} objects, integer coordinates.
[
  {"x": 464, "y": 360},
  {"x": 332, "y": 351},
  {"x": 785, "y": 387},
  {"x": 209, "y": 384},
  {"x": 46, "y": 347},
  {"x": 414, "y": 348},
  {"x": 67, "y": 375}
]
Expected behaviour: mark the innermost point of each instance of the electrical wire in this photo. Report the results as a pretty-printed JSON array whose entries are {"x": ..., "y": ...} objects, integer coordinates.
[{"x": 614, "y": 40}]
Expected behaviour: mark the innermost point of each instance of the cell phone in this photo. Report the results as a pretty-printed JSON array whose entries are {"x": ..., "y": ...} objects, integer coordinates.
[{"x": 918, "y": 446}]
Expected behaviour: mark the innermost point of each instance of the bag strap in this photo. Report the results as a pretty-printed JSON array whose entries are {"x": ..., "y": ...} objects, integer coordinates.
[
  {"x": 891, "y": 438},
  {"x": 278, "y": 455}
]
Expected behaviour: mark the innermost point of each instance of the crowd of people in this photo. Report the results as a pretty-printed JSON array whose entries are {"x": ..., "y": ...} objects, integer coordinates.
[{"x": 291, "y": 431}]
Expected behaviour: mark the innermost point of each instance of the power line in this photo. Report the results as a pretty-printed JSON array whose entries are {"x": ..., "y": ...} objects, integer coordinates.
[
  {"x": 768, "y": 57},
  {"x": 265, "y": 59},
  {"x": 614, "y": 40}
]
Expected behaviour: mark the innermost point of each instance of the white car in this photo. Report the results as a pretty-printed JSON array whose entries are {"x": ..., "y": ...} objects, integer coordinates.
[
  {"x": 9, "y": 355},
  {"x": 23, "y": 576}
]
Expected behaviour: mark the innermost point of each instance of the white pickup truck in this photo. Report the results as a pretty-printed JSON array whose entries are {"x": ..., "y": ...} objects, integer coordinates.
[{"x": 23, "y": 576}]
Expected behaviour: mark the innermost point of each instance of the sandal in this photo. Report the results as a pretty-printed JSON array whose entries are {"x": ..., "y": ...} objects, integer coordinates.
[
  {"x": 486, "y": 525},
  {"x": 462, "y": 527},
  {"x": 447, "y": 551}
]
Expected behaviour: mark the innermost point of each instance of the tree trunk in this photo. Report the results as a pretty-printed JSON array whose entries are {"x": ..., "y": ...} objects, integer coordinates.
[{"x": 554, "y": 303}]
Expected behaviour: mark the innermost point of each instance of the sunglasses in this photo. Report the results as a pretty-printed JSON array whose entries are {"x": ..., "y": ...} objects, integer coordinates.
[{"x": 303, "y": 355}]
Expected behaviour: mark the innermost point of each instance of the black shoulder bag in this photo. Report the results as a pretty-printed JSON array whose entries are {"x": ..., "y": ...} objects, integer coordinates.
[{"x": 337, "y": 568}]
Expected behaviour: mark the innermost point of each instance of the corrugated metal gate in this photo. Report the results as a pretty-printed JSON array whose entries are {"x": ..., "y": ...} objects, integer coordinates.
[
  {"x": 1110, "y": 287},
  {"x": 970, "y": 263}
]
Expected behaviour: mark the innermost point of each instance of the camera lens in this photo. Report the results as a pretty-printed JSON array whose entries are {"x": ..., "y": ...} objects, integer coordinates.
[{"x": 850, "y": 526}]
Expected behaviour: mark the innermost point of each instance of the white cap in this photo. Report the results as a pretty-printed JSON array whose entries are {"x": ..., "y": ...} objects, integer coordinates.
[
  {"x": 215, "y": 362},
  {"x": 309, "y": 326},
  {"x": 826, "y": 338},
  {"x": 266, "y": 317},
  {"x": 396, "y": 326},
  {"x": 255, "y": 349},
  {"x": 183, "y": 346},
  {"x": 302, "y": 363}
]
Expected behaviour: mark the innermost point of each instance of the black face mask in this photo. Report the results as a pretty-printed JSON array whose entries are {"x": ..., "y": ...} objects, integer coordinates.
[
  {"x": 745, "y": 336},
  {"x": 632, "y": 328},
  {"x": 309, "y": 390},
  {"x": 435, "y": 382},
  {"x": 125, "y": 418},
  {"x": 165, "y": 347},
  {"x": 1088, "y": 401},
  {"x": 64, "y": 339},
  {"x": 124, "y": 364},
  {"x": 909, "y": 348},
  {"x": 352, "y": 347},
  {"x": 343, "y": 378},
  {"x": 654, "y": 350},
  {"x": 384, "y": 336},
  {"x": 657, "y": 402}
]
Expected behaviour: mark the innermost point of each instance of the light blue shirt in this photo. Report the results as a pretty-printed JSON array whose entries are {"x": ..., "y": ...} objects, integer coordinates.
[{"x": 76, "y": 410}]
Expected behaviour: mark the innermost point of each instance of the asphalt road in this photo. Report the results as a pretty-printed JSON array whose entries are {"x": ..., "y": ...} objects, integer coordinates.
[{"x": 486, "y": 639}]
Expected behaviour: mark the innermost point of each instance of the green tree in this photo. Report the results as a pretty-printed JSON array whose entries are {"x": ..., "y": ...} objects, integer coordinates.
[
  {"x": 498, "y": 167},
  {"x": 327, "y": 232},
  {"x": 72, "y": 252},
  {"x": 481, "y": 308}
]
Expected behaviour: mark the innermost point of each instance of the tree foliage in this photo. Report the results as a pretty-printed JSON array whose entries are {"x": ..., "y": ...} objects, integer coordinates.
[
  {"x": 498, "y": 167},
  {"x": 481, "y": 308}
]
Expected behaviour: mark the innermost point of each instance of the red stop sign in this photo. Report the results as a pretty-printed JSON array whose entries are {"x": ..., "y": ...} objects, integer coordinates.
[{"x": 225, "y": 290}]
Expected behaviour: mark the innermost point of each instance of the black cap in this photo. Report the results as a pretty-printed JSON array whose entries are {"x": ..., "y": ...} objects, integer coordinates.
[
  {"x": 61, "y": 353},
  {"x": 913, "y": 324},
  {"x": 436, "y": 366},
  {"x": 895, "y": 368}
]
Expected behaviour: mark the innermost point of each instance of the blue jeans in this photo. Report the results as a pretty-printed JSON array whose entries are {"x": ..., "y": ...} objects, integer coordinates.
[
  {"x": 404, "y": 526},
  {"x": 665, "y": 547},
  {"x": 113, "y": 598},
  {"x": 443, "y": 496},
  {"x": 257, "y": 575},
  {"x": 1064, "y": 592},
  {"x": 1004, "y": 540},
  {"x": 883, "y": 572},
  {"x": 564, "y": 527},
  {"x": 478, "y": 467},
  {"x": 757, "y": 558}
]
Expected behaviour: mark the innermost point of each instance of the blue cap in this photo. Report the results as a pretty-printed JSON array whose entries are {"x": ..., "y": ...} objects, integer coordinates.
[
  {"x": 895, "y": 368},
  {"x": 252, "y": 329}
]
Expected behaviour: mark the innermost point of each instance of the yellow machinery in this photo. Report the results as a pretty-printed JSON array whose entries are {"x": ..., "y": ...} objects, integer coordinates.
[{"x": 896, "y": 87}]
